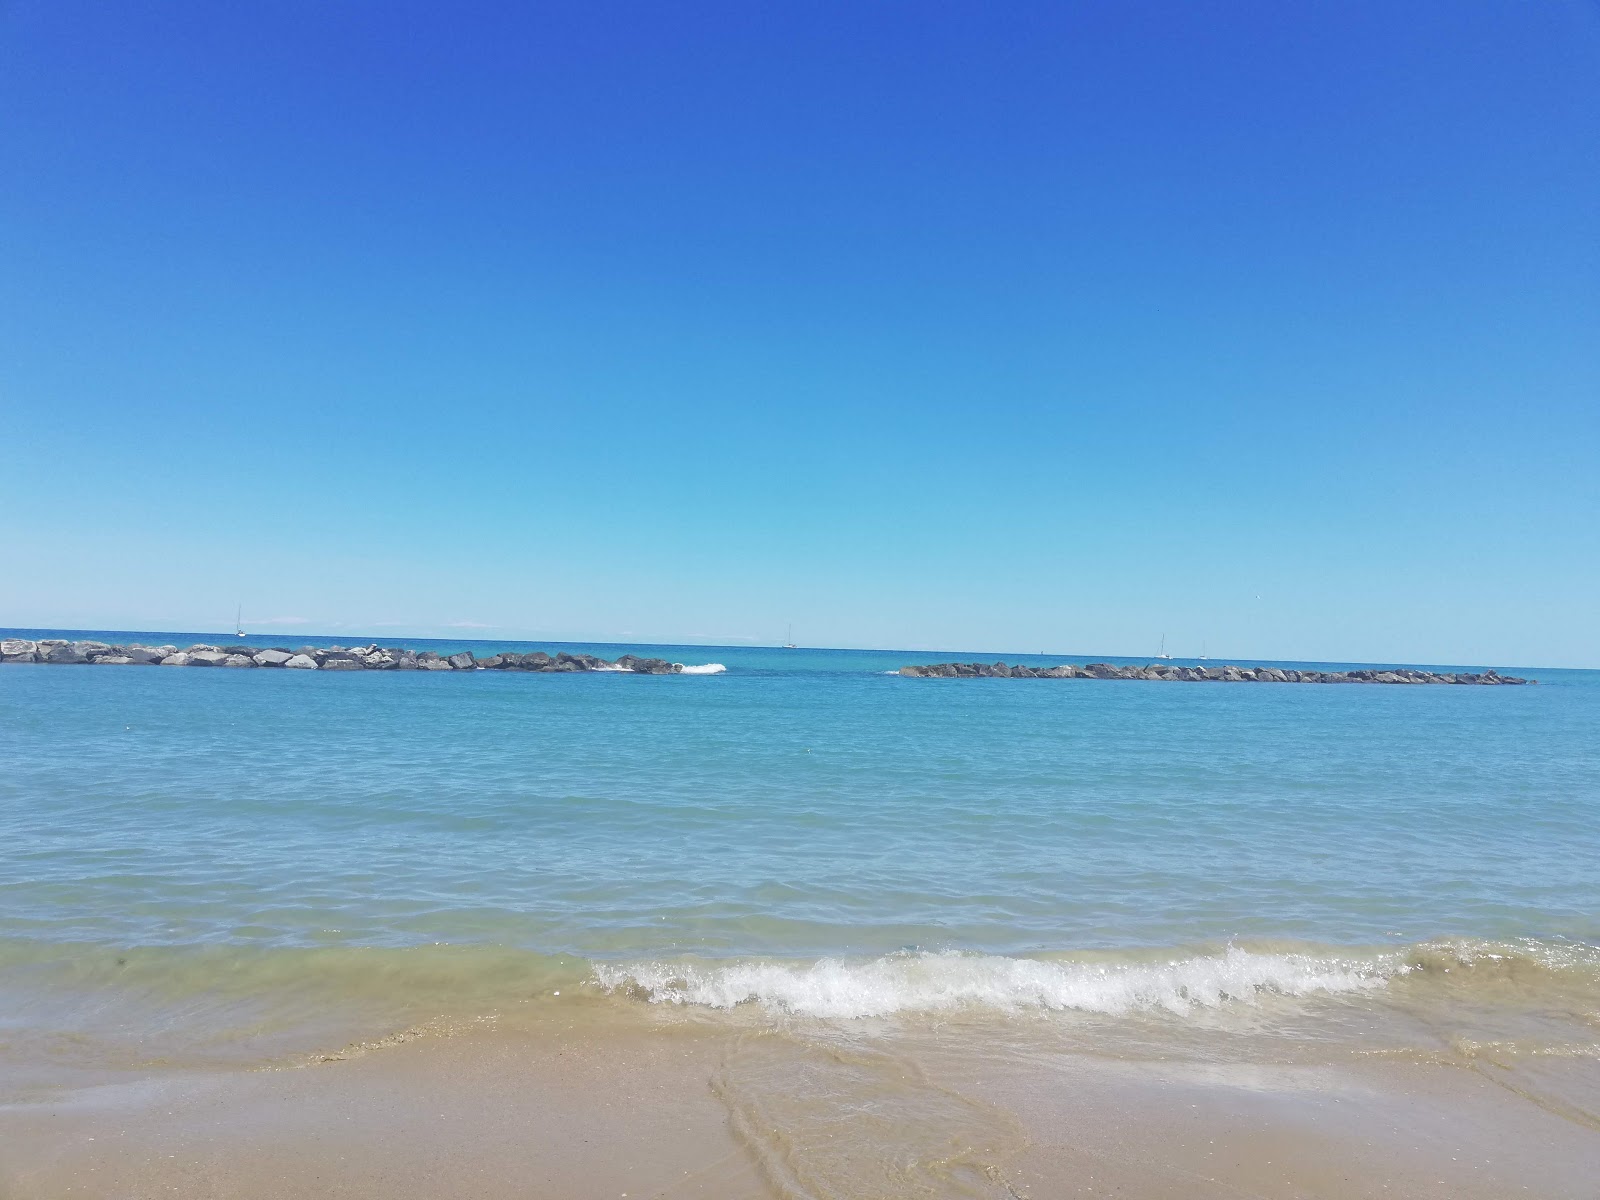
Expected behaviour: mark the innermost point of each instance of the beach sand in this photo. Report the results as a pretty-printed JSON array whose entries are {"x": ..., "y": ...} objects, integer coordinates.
[{"x": 678, "y": 1108}]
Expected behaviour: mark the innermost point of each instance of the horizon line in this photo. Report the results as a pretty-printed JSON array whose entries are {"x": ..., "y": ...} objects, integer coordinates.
[{"x": 1217, "y": 660}]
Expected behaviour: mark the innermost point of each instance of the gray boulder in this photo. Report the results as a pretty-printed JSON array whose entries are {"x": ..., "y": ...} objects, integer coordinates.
[
  {"x": 300, "y": 662},
  {"x": 272, "y": 658},
  {"x": 433, "y": 664},
  {"x": 176, "y": 659},
  {"x": 112, "y": 660},
  {"x": 583, "y": 662},
  {"x": 646, "y": 666},
  {"x": 19, "y": 650},
  {"x": 342, "y": 662},
  {"x": 463, "y": 661},
  {"x": 493, "y": 663},
  {"x": 61, "y": 652},
  {"x": 238, "y": 660},
  {"x": 143, "y": 654},
  {"x": 206, "y": 658}
]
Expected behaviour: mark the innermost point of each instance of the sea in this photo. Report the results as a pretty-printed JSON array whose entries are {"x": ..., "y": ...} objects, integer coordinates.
[{"x": 203, "y": 867}]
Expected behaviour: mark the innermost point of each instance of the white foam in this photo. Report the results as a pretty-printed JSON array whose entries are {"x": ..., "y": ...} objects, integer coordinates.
[
  {"x": 700, "y": 669},
  {"x": 943, "y": 981}
]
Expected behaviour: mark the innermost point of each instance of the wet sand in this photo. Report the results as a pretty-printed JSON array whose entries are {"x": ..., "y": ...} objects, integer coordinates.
[{"x": 681, "y": 1108}]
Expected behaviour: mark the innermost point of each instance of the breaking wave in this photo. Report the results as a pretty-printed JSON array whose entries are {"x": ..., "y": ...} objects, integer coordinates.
[
  {"x": 925, "y": 982},
  {"x": 700, "y": 668}
]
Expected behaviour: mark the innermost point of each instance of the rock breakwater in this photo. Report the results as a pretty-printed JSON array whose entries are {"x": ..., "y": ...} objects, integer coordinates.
[
  {"x": 1206, "y": 674},
  {"x": 318, "y": 658}
]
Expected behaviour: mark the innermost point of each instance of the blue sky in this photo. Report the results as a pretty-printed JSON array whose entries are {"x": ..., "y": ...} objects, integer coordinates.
[{"x": 1266, "y": 327}]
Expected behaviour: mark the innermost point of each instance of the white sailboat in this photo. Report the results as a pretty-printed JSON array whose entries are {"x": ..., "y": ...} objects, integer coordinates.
[
  {"x": 1202, "y": 652},
  {"x": 238, "y": 621},
  {"x": 1161, "y": 651},
  {"x": 788, "y": 640}
]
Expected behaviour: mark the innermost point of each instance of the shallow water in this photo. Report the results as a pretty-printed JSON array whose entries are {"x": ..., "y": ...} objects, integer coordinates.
[{"x": 256, "y": 863}]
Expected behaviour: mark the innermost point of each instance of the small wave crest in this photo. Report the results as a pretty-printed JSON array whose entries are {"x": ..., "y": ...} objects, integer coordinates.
[
  {"x": 925, "y": 982},
  {"x": 700, "y": 668}
]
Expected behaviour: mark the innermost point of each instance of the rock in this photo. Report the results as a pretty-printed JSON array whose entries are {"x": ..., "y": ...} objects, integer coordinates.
[
  {"x": 342, "y": 662},
  {"x": 112, "y": 660},
  {"x": 493, "y": 662},
  {"x": 238, "y": 660},
  {"x": 404, "y": 660},
  {"x": 202, "y": 646},
  {"x": 300, "y": 662},
  {"x": 247, "y": 651},
  {"x": 61, "y": 652},
  {"x": 648, "y": 666},
  {"x": 536, "y": 661},
  {"x": 16, "y": 648},
  {"x": 272, "y": 658},
  {"x": 206, "y": 658},
  {"x": 463, "y": 661},
  {"x": 432, "y": 664},
  {"x": 142, "y": 654},
  {"x": 176, "y": 659}
]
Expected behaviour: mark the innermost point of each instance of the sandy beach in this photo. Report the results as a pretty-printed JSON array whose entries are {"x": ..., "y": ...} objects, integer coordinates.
[{"x": 684, "y": 1107}]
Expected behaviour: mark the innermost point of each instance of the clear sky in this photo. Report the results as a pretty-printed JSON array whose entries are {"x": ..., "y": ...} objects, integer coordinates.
[{"x": 1269, "y": 327}]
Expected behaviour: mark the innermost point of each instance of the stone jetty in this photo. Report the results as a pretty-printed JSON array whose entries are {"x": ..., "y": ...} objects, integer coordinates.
[
  {"x": 1165, "y": 671},
  {"x": 317, "y": 658}
]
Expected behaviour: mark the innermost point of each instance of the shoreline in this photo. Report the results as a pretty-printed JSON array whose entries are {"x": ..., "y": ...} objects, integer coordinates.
[{"x": 686, "y": 1108}]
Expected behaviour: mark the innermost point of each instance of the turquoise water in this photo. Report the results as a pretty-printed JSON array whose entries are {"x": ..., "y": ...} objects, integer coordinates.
[{"x": 802, "y": 804}]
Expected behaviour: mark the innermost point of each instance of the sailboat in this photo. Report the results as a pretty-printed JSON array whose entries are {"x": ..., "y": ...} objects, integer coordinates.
[
  {"x": 238, "y": 621},
  {"x": 788, "y": 643},
  {"x": 1161, "y": 651},
  {"x": 1202, "y": 652}
]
